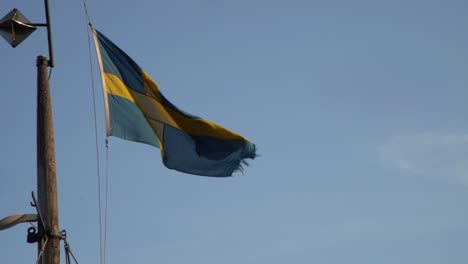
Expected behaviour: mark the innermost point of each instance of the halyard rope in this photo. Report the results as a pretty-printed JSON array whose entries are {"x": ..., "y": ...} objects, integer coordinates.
[{"x": 102, "y": 234}]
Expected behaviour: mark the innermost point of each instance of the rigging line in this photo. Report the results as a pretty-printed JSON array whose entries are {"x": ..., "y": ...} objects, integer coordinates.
[
  {"x": 105, "y": 201},
  {"x": 103, "y": 245},
  {"x": 86, "y": 12},
  {"x": 73, "y": 256},
  {"x": 67, "y": 255},
  {"x": 39, "y": 256},
  {"x": 68, "y": 252},
  {"x": 88, "y": 22}
]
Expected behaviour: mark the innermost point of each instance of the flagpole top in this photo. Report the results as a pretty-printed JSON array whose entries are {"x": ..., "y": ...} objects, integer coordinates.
[{"x": 42, "y": 60}]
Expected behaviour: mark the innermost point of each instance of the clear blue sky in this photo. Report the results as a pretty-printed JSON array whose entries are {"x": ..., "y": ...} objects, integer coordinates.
[{"x": 358, "y": 109}]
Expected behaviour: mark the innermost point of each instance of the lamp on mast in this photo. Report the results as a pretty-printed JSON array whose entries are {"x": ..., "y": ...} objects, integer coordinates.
[{"x": 15, "y": 27}]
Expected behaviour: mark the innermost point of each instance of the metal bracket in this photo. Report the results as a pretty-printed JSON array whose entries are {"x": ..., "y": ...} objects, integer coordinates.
[{"x": 33, "y": 234}]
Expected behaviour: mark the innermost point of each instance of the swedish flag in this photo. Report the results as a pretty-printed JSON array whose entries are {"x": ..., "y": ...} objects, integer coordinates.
[{"x": 137, "y": 111}]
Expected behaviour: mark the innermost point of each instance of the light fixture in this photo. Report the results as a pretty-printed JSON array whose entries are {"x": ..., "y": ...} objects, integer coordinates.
[{"x": 15, "y": 27}]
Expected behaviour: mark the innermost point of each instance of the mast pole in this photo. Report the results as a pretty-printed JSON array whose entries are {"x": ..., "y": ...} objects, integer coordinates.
[{"x": 48, "y": 245}]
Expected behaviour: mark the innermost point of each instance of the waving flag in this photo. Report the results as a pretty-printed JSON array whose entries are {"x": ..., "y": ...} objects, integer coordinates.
[{"x": 137, "y": 111}]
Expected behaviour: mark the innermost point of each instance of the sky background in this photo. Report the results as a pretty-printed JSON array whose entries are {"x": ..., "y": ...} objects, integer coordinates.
[{"x": 358, "y": 110}]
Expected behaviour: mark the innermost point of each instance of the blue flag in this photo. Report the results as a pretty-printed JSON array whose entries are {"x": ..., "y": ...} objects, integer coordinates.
[{"x": 137, "y": 111}]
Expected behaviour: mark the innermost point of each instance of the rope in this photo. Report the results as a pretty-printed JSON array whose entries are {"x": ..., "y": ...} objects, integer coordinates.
[
  {"x": 102, "y": 241},
  {"x": 39, "y": 256},
  {"x": 86, "y": 12},
  {"x": 97, "y": 147},
  {"x": 106, "y": 203},
  {"x": 68, "y": 252}
]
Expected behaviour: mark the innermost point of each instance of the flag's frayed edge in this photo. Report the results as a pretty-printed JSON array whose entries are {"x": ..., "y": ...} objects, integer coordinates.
[{"x": 244, "y": 163}]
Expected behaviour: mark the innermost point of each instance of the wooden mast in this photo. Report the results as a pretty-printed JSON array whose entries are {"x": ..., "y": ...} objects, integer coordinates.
[{"x": 46, "y": 177}]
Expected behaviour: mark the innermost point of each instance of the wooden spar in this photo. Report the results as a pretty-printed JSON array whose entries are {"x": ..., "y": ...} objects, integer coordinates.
[{"x": 46, "y": 178}]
